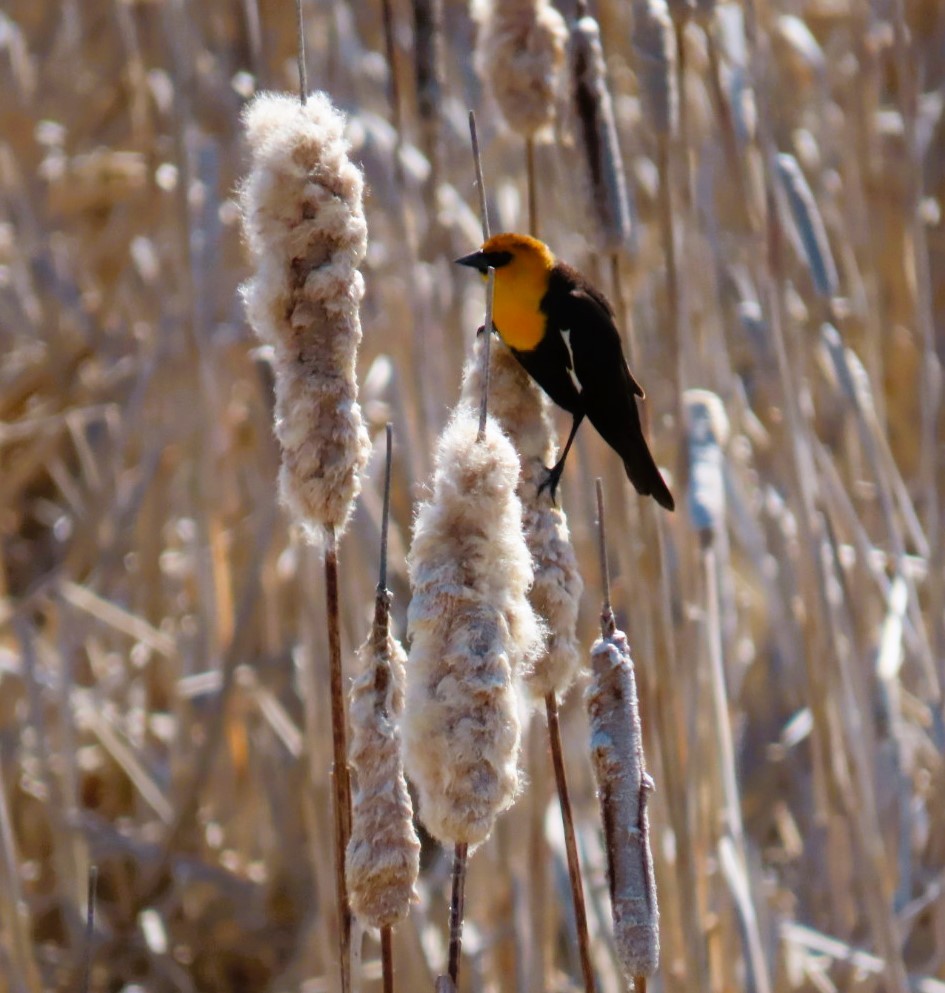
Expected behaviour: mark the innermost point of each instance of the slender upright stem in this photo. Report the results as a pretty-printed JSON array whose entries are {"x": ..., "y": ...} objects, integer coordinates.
[
  {"x": 385, "y": 512},
  {"x": 532, "y": 187},
  {"x": 607, "y": 623},
  {"x": 486, "y": 356},
  {"x": 340, "y": 777},
  {"x": 300, "y": 39},
  {"x": 89, "y": 928},
  {"x": 456, "y": 910},
  {"x": 570, "y": 843},
  {"x": 477, "y": 159},
  {"x": 387, "y": 959}
]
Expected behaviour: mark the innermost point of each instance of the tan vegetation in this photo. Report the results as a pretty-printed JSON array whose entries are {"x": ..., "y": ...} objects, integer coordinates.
[{"x": 776, "y": 256}]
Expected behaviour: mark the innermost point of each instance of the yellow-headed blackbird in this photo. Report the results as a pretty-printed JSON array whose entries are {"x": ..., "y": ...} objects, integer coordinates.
[{"x": 563, "y": 331}]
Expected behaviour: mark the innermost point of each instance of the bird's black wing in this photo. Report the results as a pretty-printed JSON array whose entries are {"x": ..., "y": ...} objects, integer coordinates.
[{"x": 608, "y": 388}]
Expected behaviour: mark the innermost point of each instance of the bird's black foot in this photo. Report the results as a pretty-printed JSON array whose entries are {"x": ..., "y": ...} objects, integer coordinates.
[
  {"x": 550, "y": 482},
  {"x": 480, "y": 330}
]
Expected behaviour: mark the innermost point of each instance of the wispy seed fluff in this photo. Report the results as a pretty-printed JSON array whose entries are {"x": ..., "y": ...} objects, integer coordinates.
[
  {"x": 622, "y": 787},
  {"x": 472, "y": 634},
  {"x": 383, "y": 856},
  {"x": 523, "y": 412},
  {"x": 519, "y": 56},
  {"x": 654, "y": 48},
  {"x": 597, "y": 132},
  {"x": 304, "y": 222}
]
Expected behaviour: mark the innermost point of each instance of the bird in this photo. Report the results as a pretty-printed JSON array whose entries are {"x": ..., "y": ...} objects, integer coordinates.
[{"x": 563, "y": 331}]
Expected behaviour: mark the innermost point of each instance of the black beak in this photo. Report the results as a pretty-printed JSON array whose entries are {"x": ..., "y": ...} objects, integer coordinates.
[
  {"x": 482, "y": 260},
  {"x": 477, "y": 260}
]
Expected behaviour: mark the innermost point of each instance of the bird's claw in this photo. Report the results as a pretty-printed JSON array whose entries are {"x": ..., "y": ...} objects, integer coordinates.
[{"x": 550, "y": 482}]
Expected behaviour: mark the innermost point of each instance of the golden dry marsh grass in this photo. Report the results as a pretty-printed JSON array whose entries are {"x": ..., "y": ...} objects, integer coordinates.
[{"x": 162, "y": 620}]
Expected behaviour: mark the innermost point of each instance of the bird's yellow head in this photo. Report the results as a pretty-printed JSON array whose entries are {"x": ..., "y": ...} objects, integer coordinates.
[{"x": 522, "y": 267}]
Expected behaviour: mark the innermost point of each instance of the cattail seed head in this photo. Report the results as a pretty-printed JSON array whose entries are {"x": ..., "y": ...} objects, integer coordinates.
[
  {"x": 304, "y": 222},
  {"x": 519, "y": 56},
  {"x": 707, "y": 431},
  {"x": 472, "y": 633},
  {"x": 655, "y": 51},
  {"x": 622, "y": 787},
  {"x": 523, "y": 412},
  {"x": 383, "y": 856},
  {"x": 597, "y": 131}
]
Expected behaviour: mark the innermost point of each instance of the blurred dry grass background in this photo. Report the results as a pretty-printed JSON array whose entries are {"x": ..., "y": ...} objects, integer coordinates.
[{"x": 159, "y": 622}]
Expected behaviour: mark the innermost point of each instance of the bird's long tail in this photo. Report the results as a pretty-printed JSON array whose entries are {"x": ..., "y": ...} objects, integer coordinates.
[{"x": 645, "y": 476}]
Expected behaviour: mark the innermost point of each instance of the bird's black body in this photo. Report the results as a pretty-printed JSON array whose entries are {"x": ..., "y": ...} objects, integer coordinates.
[{"x": 581, "y": 347}]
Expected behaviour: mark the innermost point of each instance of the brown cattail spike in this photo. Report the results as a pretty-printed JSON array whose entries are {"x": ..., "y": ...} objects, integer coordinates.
[
  {"x": 655, "y": 54},
  {"x": 383, "y": 855},
  {"x": 622, "y": 787},
  {"x": 519, "y": 57},
  {"x": 523, "y": 412},
  {"x": 597, "y": 131},
  {"x": 304, "y": 222},
  {"x": 472, "y": 632}
]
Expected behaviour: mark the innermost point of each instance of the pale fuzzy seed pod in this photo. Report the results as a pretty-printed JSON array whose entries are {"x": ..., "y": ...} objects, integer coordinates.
[
  {"x": 596, "y": 129},
  {"x": 523, "y": 412},
  {"x": 519, "y": 56},
  {"x": 707, "y": 431},
  {"x": 622, "y": 788},
  {"x": 383, "y": 856},
  {"x": 654, "y": 47},
  {"x": 304, "y": 222},
  {"x": 472, "y": 633},
  {"x": 807, "y": 225}
]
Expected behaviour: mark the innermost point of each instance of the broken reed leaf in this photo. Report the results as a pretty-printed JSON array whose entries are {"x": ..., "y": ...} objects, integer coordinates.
[
  {"x": 707, "y": 431},
  {"x": 382, "y": 861},
  {"x": 654, "y": 49},
  {"x": 622, "y": 788},
  {"x": 304, "y": 223},
  {"x": 523, "y": 411},
  {"x": 807, "y": 226},
  {"x": 473, "y": 633},
  {"x": 519, "y": 56},
  {"x": 593, "y": 113}
]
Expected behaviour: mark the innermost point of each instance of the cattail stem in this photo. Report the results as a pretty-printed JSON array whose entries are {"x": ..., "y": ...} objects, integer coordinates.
[
  {"x": 532, "y": 187},
  {"x": 89, "y": 928},
  {"x": 387, "y": 959},
  {"x": 340, "y": 779},
  {"x": 480, "y": 186},
  {"x": 487, "y": 347},
  {"x": 570, "y": 843},
  {"x": 457, "y": 898},
  {"x": 300, "y": 38},
  {"x": 385, "y": 513},
  {"x": 607, "y": 623}
]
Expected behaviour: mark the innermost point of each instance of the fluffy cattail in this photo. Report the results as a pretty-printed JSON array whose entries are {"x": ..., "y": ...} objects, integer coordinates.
[
  {"x": 523, "y": 412},
  {"x": 304, "y": 222},
  {"x": 383, "y": 856},
  {"x": 472, "y": 632},
  {"x": 519, "y": 57},
  {"x": 597, "y": 131},
  {"x": 622, "y": 787},
  {"x": 707, "y": 431},
  {"x": 654, "y": 48},
  {"x": 808, "y": 227}
]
